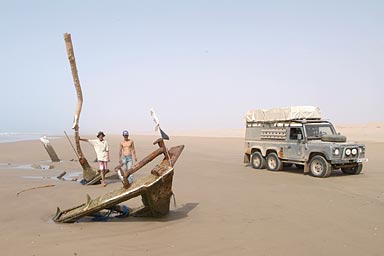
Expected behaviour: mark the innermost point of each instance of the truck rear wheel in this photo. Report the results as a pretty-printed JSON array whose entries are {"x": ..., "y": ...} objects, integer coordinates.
[
  {"x": 273, "y": 162},
  {"x": 257, "y": 160},
  {"x": 319, "y": 167},
  {"x": 353, "y": 170}
]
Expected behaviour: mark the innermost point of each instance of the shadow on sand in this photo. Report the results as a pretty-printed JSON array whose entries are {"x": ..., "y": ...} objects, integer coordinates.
[
  {"x": 293, "y": 170},
  {"x": 336, "y": 173},
  {"x": 173, "y": 215}
]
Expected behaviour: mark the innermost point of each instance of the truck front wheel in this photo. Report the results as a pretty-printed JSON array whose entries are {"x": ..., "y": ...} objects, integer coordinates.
[
  {"x": 273, "y": 162},
  {"x": 257, "y": 160},
  {"x": 319, "y": 167},
  {"x": 353, "y": 170}
]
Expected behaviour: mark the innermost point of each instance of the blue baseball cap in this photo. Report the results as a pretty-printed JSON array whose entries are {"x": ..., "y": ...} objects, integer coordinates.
[{"x": 125, "y": 133}]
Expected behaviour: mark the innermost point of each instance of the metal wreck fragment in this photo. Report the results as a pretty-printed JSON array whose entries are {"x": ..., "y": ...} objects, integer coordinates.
[{"x": 155, "y": 190}]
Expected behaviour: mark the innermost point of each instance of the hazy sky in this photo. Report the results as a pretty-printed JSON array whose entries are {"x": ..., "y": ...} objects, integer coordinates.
[{"x": 199, "y": 64}]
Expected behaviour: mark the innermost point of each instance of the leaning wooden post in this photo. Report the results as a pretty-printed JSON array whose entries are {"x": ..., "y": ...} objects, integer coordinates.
[
  {"x": 88, "y": 172},
  {"x": 51, "y": 152}
]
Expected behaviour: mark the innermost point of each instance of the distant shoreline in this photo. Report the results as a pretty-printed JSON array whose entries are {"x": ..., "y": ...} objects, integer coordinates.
[
  {"x": 358, "y": 132},
  {"x": 15, "y": 137}
]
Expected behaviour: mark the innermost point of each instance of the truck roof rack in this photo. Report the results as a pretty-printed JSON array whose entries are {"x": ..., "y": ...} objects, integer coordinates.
[{"x": 297, "y": 113}]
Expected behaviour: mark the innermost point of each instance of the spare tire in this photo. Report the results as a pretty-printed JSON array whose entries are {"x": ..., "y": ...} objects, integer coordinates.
[{"x": 334, "y": 138}]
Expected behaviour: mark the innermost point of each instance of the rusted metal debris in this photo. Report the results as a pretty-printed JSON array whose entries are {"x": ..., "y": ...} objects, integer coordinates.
[
  {"x": 154, "y": 189},
  {"x": 161, "y": 150}
]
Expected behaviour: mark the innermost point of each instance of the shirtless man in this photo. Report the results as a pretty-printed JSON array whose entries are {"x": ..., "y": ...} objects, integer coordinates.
[{"x": 126, "y": 150}]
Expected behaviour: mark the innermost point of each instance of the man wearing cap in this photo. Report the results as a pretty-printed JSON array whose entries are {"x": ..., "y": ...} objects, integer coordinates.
[
  {"x": 102, "y": 151},
  {"x": 126, "y": 150}
]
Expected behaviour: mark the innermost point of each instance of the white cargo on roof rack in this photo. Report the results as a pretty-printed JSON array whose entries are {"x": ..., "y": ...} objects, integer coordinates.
[{"x": 283, "y": 114}]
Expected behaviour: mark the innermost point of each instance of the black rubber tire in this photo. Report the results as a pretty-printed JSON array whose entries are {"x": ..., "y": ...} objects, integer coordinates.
[
  {"x": 273, "y": 162},
  {"x": 334, "y": 138},
  {"x": 319, "y": 167},
  {"x": 353, "y": 170},
  {"x": 257, "y": 160}
]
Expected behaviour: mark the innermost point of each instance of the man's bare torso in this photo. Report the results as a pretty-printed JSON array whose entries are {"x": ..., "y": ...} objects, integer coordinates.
[{"x": 126, "y": 147}]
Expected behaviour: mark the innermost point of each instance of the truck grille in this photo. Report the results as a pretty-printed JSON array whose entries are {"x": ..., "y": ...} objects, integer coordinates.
[{"x": 351, "y": 153}]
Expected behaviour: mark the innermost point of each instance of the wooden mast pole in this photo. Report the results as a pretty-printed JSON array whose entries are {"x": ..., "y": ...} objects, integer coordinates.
[{"x": 88, "y": 172}]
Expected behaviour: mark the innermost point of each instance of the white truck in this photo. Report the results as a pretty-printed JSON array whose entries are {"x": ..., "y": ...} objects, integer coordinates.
[{"x": 280, "y": 137}]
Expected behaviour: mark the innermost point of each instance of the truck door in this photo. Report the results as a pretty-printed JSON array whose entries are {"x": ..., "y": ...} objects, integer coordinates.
[{"x": 294, "y": 149}]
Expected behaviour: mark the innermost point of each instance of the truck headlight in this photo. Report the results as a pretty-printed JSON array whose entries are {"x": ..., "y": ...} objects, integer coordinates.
[
  {"x": 336, "y": 151},
  {"x": 348, "y": 152},
  {"x": 354, "y": 151}
]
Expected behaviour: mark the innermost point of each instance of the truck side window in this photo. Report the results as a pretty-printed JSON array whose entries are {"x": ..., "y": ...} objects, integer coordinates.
[
  {"x": 294, "y": 132},
  {"x": 312, "y": 131}
]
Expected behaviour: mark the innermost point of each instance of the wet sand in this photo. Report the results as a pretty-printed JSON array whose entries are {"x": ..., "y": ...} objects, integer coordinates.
[{"x": 223, "y": 207}]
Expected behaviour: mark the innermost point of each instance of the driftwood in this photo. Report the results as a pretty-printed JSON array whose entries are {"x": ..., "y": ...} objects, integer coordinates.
[
  {"x": 88, "y": 172},
  {"x": 61, "y": 175},
  {"x": 155, "y": 190},
  {"x": 51, "y": 152},
  {"x": 46, "y": 186}
]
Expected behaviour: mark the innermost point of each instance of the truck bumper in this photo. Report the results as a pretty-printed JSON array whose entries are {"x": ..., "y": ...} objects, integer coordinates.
[
  {"x": 348, "y": 162},
  {"x": 361, "y": 160}
]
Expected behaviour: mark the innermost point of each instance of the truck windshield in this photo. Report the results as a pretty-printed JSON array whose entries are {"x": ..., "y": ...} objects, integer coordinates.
[{"x": 315, "y": 131}]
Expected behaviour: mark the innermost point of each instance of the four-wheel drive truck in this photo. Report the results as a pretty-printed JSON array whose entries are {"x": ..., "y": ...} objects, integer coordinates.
[{"x": 298, "y": 135}]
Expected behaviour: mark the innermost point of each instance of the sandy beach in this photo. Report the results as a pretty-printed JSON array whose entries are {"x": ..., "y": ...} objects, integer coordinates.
[{"x": 223, "y": 207}]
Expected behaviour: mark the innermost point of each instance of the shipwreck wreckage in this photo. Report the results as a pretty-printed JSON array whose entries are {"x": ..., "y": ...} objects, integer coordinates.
[{"x": 155, "y": 188}]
